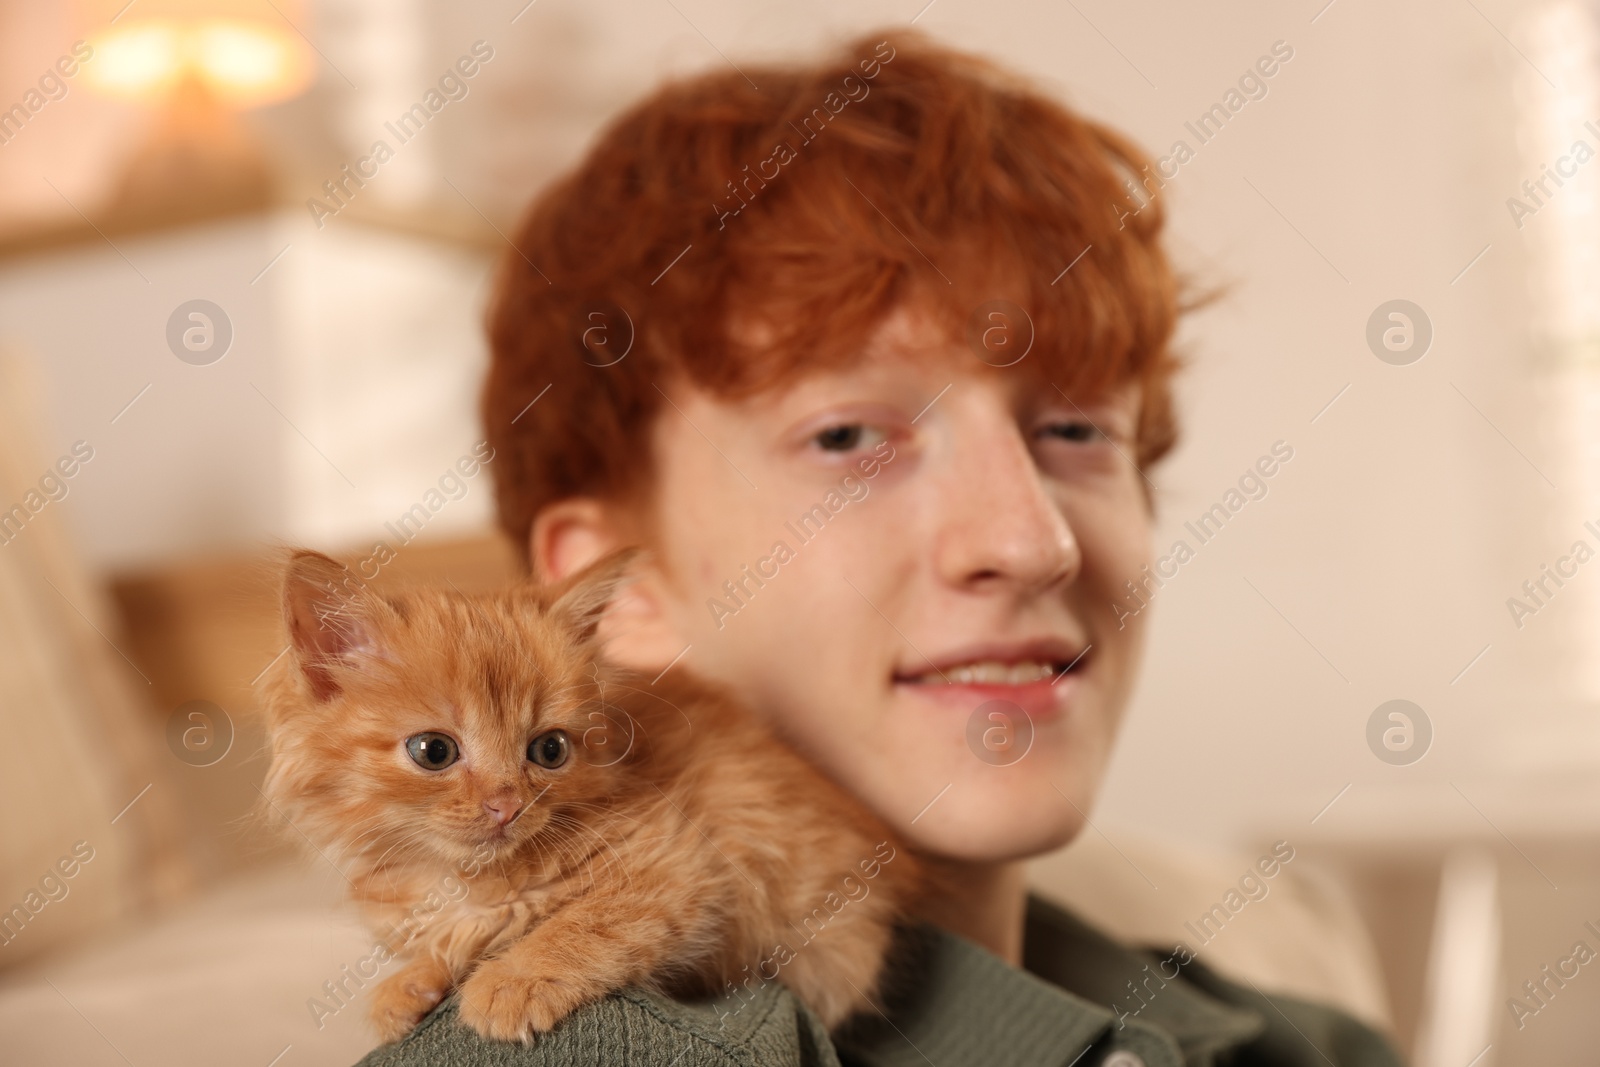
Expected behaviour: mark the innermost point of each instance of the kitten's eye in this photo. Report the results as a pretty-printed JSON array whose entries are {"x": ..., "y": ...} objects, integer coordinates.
[
  {"x": 550, "y": 750},
  {"x": 432, "y": 752}
]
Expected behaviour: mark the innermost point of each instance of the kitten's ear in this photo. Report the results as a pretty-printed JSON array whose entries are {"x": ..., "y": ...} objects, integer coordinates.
[
  {"x": 328, "y": 615},
  {"x": 581, "y": 599}
]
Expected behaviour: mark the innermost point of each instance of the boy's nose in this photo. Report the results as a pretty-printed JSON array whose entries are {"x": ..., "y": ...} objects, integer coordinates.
[{"x": 1000, "y": 526}]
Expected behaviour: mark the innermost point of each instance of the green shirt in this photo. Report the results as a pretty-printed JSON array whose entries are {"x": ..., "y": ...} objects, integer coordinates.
[{"x": 1072, "y": 1006}]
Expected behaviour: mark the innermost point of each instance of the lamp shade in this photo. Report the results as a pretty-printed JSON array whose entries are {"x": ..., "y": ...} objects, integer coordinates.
[{"x": 246, "y": 52}]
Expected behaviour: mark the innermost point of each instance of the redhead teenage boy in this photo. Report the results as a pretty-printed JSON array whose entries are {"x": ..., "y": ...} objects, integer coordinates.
[{"x": 872, "y": 354}]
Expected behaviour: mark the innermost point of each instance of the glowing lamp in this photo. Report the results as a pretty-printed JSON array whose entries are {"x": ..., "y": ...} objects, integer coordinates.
[{"x": 243, "y": 54}]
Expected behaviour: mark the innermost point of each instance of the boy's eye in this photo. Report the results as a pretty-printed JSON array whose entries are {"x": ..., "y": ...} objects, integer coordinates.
[
  {"x": 841, "y": 438},
  {"x": 432, "y": 752},
  {"x": 1078, "y": 431},
  {"x": 550, "y": 749}
]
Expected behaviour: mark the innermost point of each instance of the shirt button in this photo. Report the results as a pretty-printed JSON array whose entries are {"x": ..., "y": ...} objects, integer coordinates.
[{"x": 1123, "y": 1058}]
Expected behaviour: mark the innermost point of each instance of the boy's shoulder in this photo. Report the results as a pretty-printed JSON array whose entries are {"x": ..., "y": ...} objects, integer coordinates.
[
  {"x": 951, "y": 1002},
  {"x": 632, "y": 1027}
]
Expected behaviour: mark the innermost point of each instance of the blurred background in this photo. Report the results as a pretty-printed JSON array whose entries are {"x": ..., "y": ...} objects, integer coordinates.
[{"x": 213, "y": 340}]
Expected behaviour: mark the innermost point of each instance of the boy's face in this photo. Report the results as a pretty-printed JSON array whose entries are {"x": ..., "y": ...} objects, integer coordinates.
[{"x": 917, "y": 547}]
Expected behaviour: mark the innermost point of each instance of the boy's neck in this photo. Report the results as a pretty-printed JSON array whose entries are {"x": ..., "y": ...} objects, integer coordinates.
[{"x": 986, "y": 903}]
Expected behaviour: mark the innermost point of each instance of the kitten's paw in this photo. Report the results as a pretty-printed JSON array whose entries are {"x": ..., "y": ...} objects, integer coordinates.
[
  {"x": 402, "y": 999},
  {"x": 508, "y": 1002}
]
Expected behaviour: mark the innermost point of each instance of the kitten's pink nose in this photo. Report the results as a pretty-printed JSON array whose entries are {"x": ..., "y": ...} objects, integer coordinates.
[{"x": 502, "y": 809}]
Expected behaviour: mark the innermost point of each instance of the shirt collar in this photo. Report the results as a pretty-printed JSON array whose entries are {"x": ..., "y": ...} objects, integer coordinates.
[
  {"x": 950, "y": 1001},
  {"x": 1145, "y": 986}
]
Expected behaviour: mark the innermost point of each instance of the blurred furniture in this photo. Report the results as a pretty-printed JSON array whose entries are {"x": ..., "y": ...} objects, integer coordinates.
[
  {"x": 347, "y": 387},
  {"x": 79, "y": 787}
]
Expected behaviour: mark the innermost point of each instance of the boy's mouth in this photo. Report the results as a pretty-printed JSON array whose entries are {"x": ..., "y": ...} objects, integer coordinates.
[
  {"x": 1034, "y": 675},
  {"x": 990, "y": 672}
]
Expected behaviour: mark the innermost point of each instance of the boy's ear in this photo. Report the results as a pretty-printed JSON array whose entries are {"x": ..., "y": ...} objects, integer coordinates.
[
  {"x": 329, "y": 616},
  {"x": 581, "y": 599},
  {"x": 640, "y": 628},
  {"x": 570, "y": 533}
]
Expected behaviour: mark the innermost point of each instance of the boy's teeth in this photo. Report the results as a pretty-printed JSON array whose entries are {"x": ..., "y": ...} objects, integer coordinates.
[{"x": 990, "y": 672}]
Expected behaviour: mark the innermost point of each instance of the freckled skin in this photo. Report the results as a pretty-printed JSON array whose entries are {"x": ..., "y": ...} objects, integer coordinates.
[{"x": 991, "y": 523}]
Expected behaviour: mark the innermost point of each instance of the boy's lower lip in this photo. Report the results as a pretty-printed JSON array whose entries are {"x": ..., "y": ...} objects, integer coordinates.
[{"x": 1039, "y": 700}]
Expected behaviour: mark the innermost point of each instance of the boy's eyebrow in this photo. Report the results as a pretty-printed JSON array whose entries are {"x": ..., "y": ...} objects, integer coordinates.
[{"x": 1127, "y": 391}]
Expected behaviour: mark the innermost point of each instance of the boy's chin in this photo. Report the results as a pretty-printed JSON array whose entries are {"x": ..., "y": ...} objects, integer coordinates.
[{"x": 996, "y": 822}]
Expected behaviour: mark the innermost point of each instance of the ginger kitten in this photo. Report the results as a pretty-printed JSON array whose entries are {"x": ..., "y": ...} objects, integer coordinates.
[{"x": 606, "y": 831}]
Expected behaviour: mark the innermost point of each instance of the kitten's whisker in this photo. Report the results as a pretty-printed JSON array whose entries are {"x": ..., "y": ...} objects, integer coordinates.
[
  {"x": 524, "y": 809},
  {"x": 413, "y": 838},
  {"x": 561, "y": 848},
  {"x": 658, "y": 696},
  {"x": 379, "y": 829},
  {"x": 607, "y": 812},
  {"x": 585, "y": 860},
  {"x": 382, "y": 822},
  {"x": 378, "y": 834}
]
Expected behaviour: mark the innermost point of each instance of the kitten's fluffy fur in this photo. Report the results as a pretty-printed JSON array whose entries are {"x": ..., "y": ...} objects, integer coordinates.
[{"x": 679, "y": 846}]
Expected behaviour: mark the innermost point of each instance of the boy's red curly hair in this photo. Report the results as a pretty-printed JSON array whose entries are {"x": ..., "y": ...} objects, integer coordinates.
[{"x": 810, "y": 201}]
